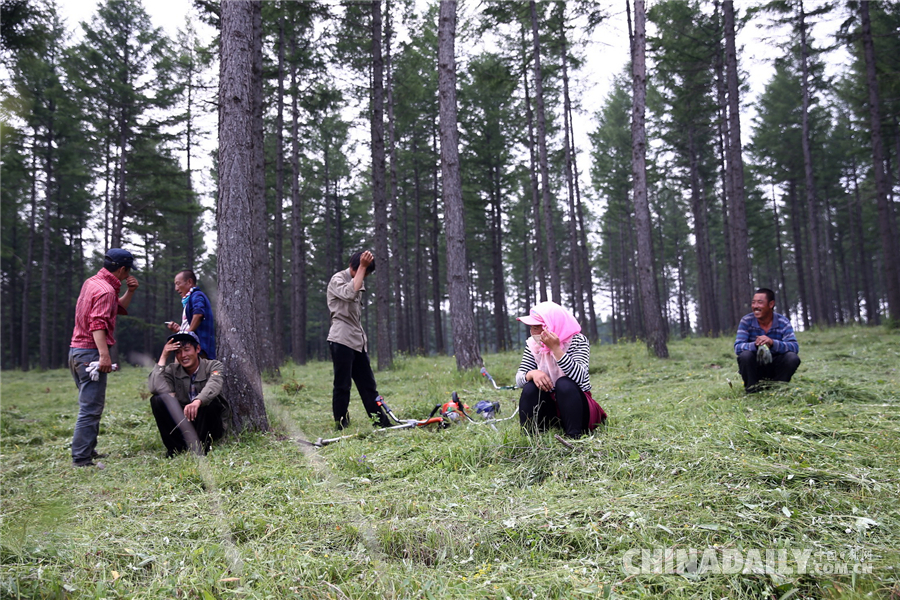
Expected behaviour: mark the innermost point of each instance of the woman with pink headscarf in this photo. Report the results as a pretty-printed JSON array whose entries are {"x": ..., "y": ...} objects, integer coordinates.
[{"x": 553, "y": 374}]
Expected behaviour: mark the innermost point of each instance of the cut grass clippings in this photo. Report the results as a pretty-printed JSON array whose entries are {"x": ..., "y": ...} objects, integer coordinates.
[{"x": 686, "y": 462}]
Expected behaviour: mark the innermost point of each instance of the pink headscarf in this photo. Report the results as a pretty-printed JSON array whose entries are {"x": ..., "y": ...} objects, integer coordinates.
[{"x": 555, "y": 319}]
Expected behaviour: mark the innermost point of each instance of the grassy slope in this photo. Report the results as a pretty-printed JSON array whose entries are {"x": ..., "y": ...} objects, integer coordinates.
[{"x": 686, "y": 461}]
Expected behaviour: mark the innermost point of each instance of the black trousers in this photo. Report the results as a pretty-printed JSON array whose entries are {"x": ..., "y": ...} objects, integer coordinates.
[
  {"x": 781, "y": 368},
  {"x": 177, "y": 433},
  {"x": 350, "y": 364},
  {"x": 566, "y": 406}
]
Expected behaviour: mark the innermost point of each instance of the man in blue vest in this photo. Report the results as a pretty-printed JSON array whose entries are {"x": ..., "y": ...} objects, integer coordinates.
[
  {"x": 197, "y": 315},
  {"x": 765, "y": 344}
]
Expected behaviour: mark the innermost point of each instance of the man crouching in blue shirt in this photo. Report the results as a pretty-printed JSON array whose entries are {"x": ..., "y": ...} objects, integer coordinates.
[{"x": 765, "y": 327}]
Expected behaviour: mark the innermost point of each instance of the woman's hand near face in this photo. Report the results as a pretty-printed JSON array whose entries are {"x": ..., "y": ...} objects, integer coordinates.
[
  {"x": 540, "y": 379},
  {"x": 550, "y": 339}
]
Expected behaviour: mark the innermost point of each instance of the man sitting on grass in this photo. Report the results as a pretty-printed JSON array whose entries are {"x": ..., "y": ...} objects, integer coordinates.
[
  {"x": 187, "y": 400},
  {"x": 765, "y": 344}
]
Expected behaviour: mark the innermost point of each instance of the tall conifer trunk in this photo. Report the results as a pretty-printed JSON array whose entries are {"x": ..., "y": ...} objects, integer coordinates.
[
  {"x": 238, "y": 336},
  {"x": 655, "y": 327},
  {"x": 465, "y": 341},
  {"x": 383, "y": 272},
  {"x": 737, "y": 212},
  {"x": 885, "y": 210}
]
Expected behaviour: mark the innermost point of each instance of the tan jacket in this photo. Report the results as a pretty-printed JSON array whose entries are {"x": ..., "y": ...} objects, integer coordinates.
[
  {"x": 209, "y": 379},
  {"x": 345, "y": 306}
]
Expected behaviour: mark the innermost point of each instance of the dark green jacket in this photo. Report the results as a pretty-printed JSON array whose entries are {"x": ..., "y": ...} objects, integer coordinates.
[{"x": 209, "y": 380}]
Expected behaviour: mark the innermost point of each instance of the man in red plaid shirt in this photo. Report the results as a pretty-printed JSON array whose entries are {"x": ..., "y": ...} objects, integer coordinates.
[{"x": 95, "y": 326}]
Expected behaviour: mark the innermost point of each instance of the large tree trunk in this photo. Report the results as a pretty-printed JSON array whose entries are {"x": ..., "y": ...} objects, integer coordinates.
[
  {"x": 655, "y": 327},
  {"x": 383, "y": 273},
  {"x": 737, "y": 211},
  {"x": 549, "y": 238},
  {"x": 465, "y": 341},
  {"x": 885, "y": 211},
  {"x": 238, "y": 336},
  {"x": 817, "y": 306}
]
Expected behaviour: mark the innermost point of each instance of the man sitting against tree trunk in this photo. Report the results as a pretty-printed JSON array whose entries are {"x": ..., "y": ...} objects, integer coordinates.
[
  {"x": 765, "y": 344},
  {"x": 187, "y": 400}
]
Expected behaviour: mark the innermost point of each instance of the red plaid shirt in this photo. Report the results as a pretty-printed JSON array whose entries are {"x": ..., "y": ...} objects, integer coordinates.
[{"x": 97, "y": 307}]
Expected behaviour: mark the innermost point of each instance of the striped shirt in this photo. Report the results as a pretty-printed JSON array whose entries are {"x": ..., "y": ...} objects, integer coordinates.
[
  {"x": 97, "y": 307},
  {"x": 574, "y": 363},
  {"x": 781, "y": 333}
]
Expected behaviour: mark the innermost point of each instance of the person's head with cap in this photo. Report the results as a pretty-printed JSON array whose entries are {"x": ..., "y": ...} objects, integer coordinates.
[
  {"x": 116, "y": 259},
  {"x": 554, "y": 318},
  {"x": 188, "y": 351}
]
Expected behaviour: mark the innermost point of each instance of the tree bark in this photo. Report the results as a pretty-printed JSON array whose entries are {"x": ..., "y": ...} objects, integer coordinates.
[
  {"x": 465, "y": 341},
  {"x": 383, "y": 273},
  {"x": 549, "y": 238},
  {"x": 737, "y": 210},
  {"x": 238, "y": 336},
  {"x": 885, "y": 211},
  {"x": 655, "y": 327}
]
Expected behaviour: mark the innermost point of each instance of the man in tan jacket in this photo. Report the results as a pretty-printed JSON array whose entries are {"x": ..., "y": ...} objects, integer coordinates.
[
  {"x": 187, "y": 400},
  {"x": 348, "y": 342}
]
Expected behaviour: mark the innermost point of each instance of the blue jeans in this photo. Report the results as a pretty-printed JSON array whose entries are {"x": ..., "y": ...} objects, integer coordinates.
[{"x": 91, "y": 400}]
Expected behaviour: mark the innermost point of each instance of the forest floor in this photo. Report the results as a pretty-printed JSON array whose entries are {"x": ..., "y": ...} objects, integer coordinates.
[{"x": 790, "y": 493}]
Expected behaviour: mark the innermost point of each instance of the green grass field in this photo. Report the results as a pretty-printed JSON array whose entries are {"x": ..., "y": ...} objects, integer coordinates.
[{"x": 686, "y": 462}]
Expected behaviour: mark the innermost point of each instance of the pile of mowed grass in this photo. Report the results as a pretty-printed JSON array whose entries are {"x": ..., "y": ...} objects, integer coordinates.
[{"x": 686, "y": 461}]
